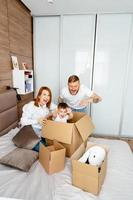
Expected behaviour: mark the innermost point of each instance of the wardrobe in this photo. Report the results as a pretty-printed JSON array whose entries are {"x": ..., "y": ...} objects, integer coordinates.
[{"x": 99, "y": 49}]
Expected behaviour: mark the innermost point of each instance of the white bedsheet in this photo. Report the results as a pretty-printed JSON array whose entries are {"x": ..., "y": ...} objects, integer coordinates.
[{"x": 38, "y": 185}]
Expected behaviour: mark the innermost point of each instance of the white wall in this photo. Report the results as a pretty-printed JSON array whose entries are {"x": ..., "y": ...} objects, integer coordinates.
[{"x": 106, "y": 64}]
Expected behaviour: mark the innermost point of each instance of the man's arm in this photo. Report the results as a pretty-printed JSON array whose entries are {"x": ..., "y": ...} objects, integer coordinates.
[{"x": 94, "y": 98}]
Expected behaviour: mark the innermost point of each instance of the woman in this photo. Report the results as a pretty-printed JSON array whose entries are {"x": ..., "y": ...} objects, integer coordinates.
[{"x": 36, "y": 112}]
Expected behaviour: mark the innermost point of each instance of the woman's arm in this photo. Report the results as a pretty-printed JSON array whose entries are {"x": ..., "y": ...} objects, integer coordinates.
[{"x": 26, "y": 118}]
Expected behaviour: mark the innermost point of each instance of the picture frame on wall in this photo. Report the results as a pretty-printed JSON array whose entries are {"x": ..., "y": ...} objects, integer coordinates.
[{"x": 15, "y": 62}]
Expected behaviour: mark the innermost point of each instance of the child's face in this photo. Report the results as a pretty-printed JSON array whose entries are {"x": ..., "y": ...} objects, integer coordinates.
[{"x": 62, "y": 112}]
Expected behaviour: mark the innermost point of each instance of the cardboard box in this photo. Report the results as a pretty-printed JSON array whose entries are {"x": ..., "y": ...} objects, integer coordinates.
[
  {"x": 71, "y": 134},
  {"x": 86, "y": 176},
  {"x": 52, "y": 157}
]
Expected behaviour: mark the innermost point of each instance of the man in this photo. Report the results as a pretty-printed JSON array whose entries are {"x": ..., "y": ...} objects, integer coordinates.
[{"x": 77, "y": 96}]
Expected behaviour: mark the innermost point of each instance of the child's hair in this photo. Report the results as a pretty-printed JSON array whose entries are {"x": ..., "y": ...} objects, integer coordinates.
[{"x": 62, "y": 105}]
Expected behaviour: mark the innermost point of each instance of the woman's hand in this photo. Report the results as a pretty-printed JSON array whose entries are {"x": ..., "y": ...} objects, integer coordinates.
[{"x": 42, "y": 121}]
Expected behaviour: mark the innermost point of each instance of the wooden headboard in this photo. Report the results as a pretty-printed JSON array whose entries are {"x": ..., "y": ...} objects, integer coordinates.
[{"x": 8, "y": 111}]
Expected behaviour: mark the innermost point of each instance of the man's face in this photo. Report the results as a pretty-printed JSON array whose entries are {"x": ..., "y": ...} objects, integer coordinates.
[{"x": 73, "y": 87}]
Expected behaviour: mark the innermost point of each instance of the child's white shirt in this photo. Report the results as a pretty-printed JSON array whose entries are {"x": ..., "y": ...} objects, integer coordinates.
[{"x": 58, "y": 119}]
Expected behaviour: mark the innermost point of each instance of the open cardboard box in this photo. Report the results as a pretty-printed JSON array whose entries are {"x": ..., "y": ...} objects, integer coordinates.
[
  {"x": 52, "y": 157},
  {"x": 86, "y": 176},
  {"x": 71, "y": 134}
]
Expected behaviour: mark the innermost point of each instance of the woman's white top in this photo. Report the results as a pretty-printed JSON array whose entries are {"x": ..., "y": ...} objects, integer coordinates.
[
  {"x": 32, "y": 113},
  {"x": 73, "y": 101}
]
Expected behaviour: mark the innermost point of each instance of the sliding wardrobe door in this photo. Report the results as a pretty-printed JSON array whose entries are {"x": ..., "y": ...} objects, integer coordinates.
[
  {"x": 77, "y": 42},
  {"x": 110, "y": 65},
  {"x": 46, "y": 53},
  {"x": 127, "y": 120}
]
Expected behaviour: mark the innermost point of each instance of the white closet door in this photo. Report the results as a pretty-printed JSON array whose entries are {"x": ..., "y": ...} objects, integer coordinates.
[
  {"x": 46, "y": 55},
  {"x": 112, "y": 45},
  {"x": 127, "y": 122},
  {"x": 77, "y": 48}
]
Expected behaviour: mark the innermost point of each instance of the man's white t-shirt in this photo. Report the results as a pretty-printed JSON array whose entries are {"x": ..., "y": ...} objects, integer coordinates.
[{"x": 73, "y": 101}]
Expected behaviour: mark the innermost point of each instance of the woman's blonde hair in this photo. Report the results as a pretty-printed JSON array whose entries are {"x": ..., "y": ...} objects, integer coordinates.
[{"x": 39, "y": 94}]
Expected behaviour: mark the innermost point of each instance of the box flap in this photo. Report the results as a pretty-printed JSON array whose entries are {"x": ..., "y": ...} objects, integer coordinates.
[
  {"x": 57, "y": 145},
  {"x": 85, "y": 127},
  {"x": 59, "y": 131},
  {"x": 79, "y": 152},
  {"x": 76, "y": 116}
]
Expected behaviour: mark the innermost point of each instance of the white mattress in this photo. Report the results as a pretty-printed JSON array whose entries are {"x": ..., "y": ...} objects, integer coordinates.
[{"x": 38, "y": 185}]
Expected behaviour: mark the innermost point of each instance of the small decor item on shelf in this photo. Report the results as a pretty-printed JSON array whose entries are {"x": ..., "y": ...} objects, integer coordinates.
[
  {"x": 15, "y": 62},
  {"x": 24, "y": 65}
]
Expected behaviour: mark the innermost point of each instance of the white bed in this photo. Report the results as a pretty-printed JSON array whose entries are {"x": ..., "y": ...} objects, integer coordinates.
[{"x": 38, "y": 185}]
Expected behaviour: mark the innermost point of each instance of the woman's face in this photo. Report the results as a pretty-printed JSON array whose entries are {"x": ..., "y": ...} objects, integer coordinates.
[{"x": 44, "y": 97}]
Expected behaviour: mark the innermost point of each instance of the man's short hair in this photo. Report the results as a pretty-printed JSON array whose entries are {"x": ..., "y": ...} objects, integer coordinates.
[
  {"x": 73, "y": 78},
  {"x": 62, "y": 105}
]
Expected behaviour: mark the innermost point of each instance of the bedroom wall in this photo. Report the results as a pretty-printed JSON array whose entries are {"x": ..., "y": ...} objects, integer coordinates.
[{"x": 15, "y": 39}]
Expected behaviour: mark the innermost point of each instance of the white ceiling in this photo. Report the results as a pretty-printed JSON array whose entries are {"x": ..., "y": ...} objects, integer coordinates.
[{"x": 42, "y": 7}]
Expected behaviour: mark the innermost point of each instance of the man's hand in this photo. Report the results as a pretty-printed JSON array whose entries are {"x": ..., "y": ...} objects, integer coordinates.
[
  {"x": 92, "y": 99},
  {"x": 96, "y": 98}
]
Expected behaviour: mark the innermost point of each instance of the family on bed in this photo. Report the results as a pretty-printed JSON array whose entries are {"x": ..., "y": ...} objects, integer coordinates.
[{"x": 73, "y": 98}]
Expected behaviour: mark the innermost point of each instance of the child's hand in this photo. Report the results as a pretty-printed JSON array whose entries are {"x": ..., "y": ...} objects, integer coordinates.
[
  {"x": 54, "y": 114},
  {"x": 69, "y": 110}
]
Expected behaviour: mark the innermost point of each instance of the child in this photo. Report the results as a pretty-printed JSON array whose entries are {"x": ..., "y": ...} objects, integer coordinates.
[{"x": 63, "y": 113}]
